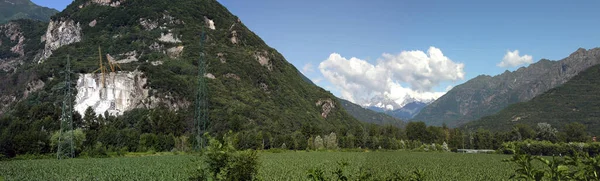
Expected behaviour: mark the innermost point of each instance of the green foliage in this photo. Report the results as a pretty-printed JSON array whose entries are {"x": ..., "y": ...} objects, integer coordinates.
[
  {"x": 569, "y": 168},
  {"x": 221, "y": 161},
  {"x": 525, "y": 170},
  {"x": 78, "y": 139},
  {"x": 273, "y": 166},
  {"x": 550, "y": 149},
  {"x": 417, "y": 131},
  {"x": 340, "y": 174}
]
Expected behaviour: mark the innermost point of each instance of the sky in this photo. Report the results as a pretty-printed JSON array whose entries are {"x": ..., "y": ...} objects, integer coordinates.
[{"x": 380, "y": 48}]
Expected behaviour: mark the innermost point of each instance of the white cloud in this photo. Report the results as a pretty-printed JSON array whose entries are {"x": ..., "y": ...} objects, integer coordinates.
[
  {"x": 359, "y": 80},
  {"x": 308, "y": 68},
  {"x": 512, "y": 59}
]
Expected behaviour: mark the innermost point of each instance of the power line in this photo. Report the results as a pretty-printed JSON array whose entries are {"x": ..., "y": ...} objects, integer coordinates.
[
  {"x": 201, "y": 117},
  {"x": 65, "y": 140}
]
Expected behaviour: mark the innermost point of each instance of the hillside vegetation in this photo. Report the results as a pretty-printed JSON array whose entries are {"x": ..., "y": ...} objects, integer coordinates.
[
  {"x": 578, "y": 100},
  {"x": 485, "y": 95}
]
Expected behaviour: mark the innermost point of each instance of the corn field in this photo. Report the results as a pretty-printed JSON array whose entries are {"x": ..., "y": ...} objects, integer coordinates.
[{"x": 274, "y": 166}]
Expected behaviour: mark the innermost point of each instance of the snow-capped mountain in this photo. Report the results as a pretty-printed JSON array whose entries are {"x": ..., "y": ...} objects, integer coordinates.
[
  {"x": 381, "y": 103},
  {"x": 404, "y": 109}
]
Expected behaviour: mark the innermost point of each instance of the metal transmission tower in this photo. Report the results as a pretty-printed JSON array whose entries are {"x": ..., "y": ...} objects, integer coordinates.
[
  {"x": 201, "y": 115},
  {"x": 66, "y": 148}
]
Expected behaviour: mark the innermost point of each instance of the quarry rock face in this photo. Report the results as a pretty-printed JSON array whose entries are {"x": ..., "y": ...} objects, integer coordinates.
[
  {"x": 60, "y": 33},
  {"x": 122, "y": 91}
]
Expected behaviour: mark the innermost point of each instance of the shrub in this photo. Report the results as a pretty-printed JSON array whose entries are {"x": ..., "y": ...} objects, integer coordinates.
[
  {"x": 221, "y": 161},
  {"x": 548, "y": 148}
]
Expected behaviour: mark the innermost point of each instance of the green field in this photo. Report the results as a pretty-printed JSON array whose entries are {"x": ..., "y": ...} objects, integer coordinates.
[{"x": 274, "y": 166}]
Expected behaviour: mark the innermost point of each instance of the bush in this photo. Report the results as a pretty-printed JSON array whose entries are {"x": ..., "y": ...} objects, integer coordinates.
[
  {"x": 548, "y": 148},
  {"x": 79, "y": 138},
  {"x": 568, "y": 168},
  {"x": 221, "y": 161}
]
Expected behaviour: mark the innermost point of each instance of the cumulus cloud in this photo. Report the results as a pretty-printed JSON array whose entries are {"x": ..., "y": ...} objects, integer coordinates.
[
  {"x": 308, "y": 68},
  {"x": 512, "y": 59},
  {"x": 359, "y": 80}
]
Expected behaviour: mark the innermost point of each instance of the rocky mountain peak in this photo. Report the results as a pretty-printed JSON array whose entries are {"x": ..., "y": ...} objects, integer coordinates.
[{"x": 485, "y": 95}]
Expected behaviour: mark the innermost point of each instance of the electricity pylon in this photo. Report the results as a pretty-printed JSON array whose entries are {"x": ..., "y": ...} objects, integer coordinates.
[
  {"x": 66, "y": 146},
  {"x": 201, "y": 115}
]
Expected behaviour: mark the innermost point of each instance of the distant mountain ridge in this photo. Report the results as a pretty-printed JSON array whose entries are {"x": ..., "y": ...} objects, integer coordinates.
[
  {"x": 577, "y": 100},
  {"x": 363, "y": 114},
  {"x": 485, "y": 95},
  {"x": 24, "y": 9},
  {"x": 405, "y": 112}
]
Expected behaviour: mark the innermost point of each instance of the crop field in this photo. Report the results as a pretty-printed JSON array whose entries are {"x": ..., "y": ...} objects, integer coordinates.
[{"x": 274, "y": 166}]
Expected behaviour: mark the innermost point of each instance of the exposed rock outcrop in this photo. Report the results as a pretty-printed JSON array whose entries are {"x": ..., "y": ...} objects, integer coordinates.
[
  {"x": 210, "y": 23},
  {"x": 168, "y": 38},
  {"x": 263, "y": 59},
  {"x": 16, "y": 42},
  {"x": 93, "y": 23},
  {"x": 326, "y": 105},
  {"x": 210, "y": 76},
  {"x": 234, "y": 39},
  {"x": 175, "y": 52},
  {"x": 111, "y": 3},
  {"x": 232, "y": 76},
  {"x": 32, "y": 87},
  {"x": 60, "y": 33},
  {"x": 221, "y": 57}
]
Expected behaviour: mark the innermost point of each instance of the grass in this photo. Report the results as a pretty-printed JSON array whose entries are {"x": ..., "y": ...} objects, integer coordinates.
[{"x": 274, "y": 166}]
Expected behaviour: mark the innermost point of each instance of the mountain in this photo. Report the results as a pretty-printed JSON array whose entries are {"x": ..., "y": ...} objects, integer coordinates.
[
  {"x": 577, "y": 100},
  {"x": 378, "y": 103},
  {"x": 409, "y": 110},
  {"x": 485, "y": 95},
  {"x": 23, "y": 9},
  {"x": 404, "y": 109},
  {"x": 405, "y": 112},
  {"x": 150, "y": 51},
  {"x": 369, "y": 116},
  {"x": 364, "y": 114}
]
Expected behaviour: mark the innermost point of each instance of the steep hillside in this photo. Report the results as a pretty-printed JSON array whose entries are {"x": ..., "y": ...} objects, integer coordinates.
[
  {"x": 157, "y": 44},
  {"x": 485, "y": 95},
  {"x": 369, "y": 116},
  {"x": 408, "y": 111},
  {"x": 577, "y": 100},
  {"x": 364, "y": 114},
  {"x": 23, "y": 9}
]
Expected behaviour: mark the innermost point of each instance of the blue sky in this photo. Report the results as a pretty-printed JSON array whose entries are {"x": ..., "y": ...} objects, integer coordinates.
[{"x": 476, "y": 34}]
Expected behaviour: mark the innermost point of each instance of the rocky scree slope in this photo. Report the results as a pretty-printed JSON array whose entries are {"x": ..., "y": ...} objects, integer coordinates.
[{"x": 485, "y": 95}]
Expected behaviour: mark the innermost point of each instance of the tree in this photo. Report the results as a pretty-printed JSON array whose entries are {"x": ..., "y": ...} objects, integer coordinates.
[
  {"x": 331, "y": 141},
  {"x": 78, "y": 139},
  {"x": 575, "y": 132},
  {"x": 435, "y": 135},
  {"x": 525, "y": 131},
  {"x": 416, "y": 131},
  {"x": 545, "y": 131},
  {"x": 483, "y": 139},
  {"x": 319, "y": 143},
  {"x": 89, "y": 119}
]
